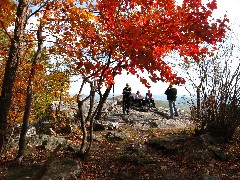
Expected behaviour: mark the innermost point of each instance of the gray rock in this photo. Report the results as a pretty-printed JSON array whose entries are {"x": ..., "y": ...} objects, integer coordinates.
[
  {"x": 32, "y": 131},
  {"x": 208, "y": 177},
  {"x": 116, "y": 136},
  {"x": 166, "y": 144},
  {"x": 67, "y": 169},
  {"x": 59, "y": 169},
  {"x": 219, "y": 153},
  {"x": 207, "y": 139}
]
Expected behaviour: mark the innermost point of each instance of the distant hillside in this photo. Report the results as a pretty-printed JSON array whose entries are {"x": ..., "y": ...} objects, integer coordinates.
[
  {"x": 181, "y": 104},
  {"x": 183, "y": 101},
  {"x": 161, "y": 100}
]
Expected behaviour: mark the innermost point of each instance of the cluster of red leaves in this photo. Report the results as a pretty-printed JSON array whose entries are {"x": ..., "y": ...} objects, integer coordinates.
[{"x": 104, "y": 38}]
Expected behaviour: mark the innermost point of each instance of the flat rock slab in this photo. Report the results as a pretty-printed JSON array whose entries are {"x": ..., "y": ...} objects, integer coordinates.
[{"x": 58, "y": 170}]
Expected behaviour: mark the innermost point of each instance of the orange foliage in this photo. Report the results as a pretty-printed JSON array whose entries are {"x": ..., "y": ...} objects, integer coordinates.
[
  {"x": 106, "y": 37},
  {"x": 7, "y": 12}
]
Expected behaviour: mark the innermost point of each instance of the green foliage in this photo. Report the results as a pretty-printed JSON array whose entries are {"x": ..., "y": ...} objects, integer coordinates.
[{"x": 52, "y": 85}]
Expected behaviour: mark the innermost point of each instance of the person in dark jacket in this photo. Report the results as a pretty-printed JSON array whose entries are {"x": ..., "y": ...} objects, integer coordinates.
[
  {"x": 171, "y": 93},
  {"x": 126, "y": 98}
]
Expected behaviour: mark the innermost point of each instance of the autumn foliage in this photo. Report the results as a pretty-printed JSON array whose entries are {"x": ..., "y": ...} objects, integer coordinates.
[
  {"x": 98, "y": 40},
  {"x": 104, "y": 38}
]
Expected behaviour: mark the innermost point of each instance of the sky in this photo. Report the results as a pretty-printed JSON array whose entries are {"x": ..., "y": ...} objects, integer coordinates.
[{"x": 229, "y": 7}]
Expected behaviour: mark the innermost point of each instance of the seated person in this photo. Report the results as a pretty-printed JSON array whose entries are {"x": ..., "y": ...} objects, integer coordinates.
[
  {"x": 149, "y": 99},
  {"x": 138, "y": 98}
]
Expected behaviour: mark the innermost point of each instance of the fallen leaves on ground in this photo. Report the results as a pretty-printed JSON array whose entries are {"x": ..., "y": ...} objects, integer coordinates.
[{"x": 134, "y": 159}]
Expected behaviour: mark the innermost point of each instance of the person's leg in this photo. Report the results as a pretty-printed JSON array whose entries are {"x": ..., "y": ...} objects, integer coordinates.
[
  {"x": 144, "y": 102},
  {"x": 175, "y": 108},
  {"x": 127, "y": 105},
  {"x": 149, "y": 103},
  {"x": 124, "y": 106},
  {"x": 137, "y": 102},
  {"x": 153, "y": 103},
  {"x": 133, "y": 102},
  {"x": 171, "y": 108},
  {"x": 131, "y": 99}
]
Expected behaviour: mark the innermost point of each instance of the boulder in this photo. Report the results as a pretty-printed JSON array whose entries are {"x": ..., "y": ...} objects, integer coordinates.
[{"x": 67, "y": 169}]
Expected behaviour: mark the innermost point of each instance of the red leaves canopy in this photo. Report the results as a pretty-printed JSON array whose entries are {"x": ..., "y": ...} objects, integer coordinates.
[{"x": 135, "y": 35}]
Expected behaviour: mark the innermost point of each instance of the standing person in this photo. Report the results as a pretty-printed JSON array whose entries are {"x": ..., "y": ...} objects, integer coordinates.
[
  {"x": 171, "y": 93},
  {"x": 126, "y": 98},
  {"x": 149, "y": 99}
]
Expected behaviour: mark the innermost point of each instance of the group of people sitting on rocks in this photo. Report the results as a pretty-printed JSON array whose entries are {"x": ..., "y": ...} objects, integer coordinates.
[
  {"x": 136, "y": 99},
  {"x": 141, "y": 101},
  {"x": 148, "y": 100}
]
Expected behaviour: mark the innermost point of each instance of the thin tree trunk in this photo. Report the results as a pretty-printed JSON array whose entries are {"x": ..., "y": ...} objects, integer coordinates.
[
  {"x": 83, "y": 127},
  {"x": 84, "y": 150},
  {"x": 102, "y": 101},
  {"x": 27, "y": 110},
  {"x": 25, "y": 124},
  {"x": 198, "y": 103},
  {"x": 91, "y": 119},
  {"x": 11, "y": 68}
]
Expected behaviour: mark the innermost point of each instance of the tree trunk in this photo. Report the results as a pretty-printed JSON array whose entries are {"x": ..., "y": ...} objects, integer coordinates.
[
  {"x": 27, "y": 110},
  {"x": 25, "y": 124},
  {"x": 102, "y": 101},
  {"x": 84, "y": 150},
  {"x": 91, "y": 119},
  {"x": 198, "y": 102},
  {"x": 83, "y": 127},
  {"x": 11, "y": 68}
]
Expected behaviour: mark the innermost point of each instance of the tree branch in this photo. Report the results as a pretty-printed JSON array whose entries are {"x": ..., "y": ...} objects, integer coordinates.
[{"x": 5, "y": 30}]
